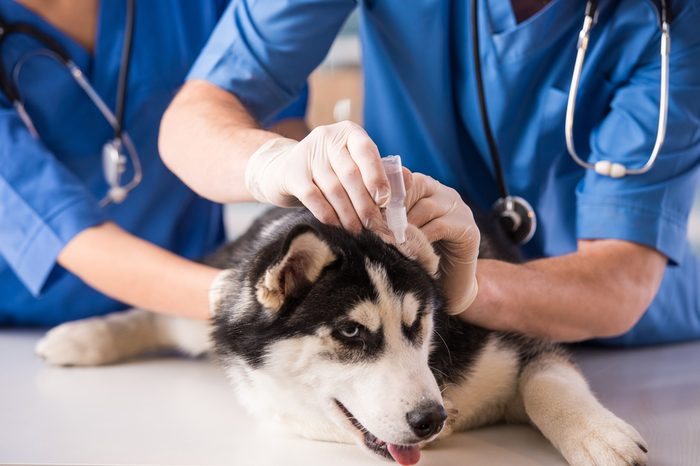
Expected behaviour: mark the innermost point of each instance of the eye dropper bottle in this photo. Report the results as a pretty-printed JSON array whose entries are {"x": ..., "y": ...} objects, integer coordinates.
[{"x": 396, "y": 209}]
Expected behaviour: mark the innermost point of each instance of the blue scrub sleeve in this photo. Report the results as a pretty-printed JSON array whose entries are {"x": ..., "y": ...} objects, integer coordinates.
[
  {"x": 297, "y": 109},
  {"x": 263, "y": 50},
  {"x": 650, "y": 209},
  {"x": 42, "y": 204}
]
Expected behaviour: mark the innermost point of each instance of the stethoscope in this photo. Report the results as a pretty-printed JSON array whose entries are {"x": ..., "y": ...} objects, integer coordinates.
[
  {"x": 114, "y": 158},
  {"x": 515, "y": 215}
]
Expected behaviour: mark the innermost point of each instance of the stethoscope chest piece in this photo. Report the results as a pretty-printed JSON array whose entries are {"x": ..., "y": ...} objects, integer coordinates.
[
  {"x": 516, "y": 217},
  {"x": 514, "y": 214},
  {"x": 113, "y": 167},
  {"x": 120, "y": 149}
]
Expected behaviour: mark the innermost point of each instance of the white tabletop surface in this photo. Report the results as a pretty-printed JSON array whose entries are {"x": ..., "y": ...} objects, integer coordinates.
[{"x": 178, "y": 411}]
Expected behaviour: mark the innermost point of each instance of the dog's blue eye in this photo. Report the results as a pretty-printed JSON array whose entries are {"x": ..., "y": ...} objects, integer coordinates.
[{"x": 350, "y": 331}]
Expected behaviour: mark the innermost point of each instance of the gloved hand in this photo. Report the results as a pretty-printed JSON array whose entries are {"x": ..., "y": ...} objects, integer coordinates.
[
  {"x": 335, "y": 172},
  {"x": 439, "y": 212}
]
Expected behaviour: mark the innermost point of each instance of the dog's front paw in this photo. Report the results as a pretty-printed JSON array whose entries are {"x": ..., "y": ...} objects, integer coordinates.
[
  {"x": 85, "y": 342},
  {"x": 607, "y": 441}
]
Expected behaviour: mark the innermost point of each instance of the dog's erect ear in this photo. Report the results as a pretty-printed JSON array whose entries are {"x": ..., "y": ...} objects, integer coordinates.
[{"x": 303, "y": 258}]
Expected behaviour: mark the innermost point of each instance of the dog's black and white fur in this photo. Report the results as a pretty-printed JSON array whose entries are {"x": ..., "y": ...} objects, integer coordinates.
[{"x": 344, "y": 338}]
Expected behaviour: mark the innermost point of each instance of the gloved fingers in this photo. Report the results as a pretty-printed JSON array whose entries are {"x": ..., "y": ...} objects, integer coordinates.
[
  {"x": 432, "y": 200},
  {"x": 349, "y": 175},
  {"x": 460, "y": 239},
  {"x": 421, "y": 186},
  {"x": 335, "y": 193},
  {"x": 424, "y": 211},
  {"x": 309, "y": 195},
  {"x": 382, "y": 230},
  {"x": 418, "y": 247},
  {"x": 407, "y": 178},
  {"x": 445, "y": 220},
  {"x": 365, "y": 154}
]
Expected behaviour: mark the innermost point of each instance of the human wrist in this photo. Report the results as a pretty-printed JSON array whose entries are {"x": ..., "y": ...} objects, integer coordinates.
[
  {"x": 258, "y": 174},
  {"x": 466, "y": 299},
  {"x": 462, "y": 276},
  {"x": 489, "y": 308}
]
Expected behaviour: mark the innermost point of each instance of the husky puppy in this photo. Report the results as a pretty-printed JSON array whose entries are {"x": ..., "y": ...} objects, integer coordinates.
[{"x": 344, "y": 338}]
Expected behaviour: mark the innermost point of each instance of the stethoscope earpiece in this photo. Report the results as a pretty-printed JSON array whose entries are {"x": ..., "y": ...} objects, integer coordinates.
[{"x": 516, "y": 217}]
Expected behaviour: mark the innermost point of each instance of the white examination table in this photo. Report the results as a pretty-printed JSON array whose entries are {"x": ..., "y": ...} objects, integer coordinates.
[{"x": 182, "y": 412}]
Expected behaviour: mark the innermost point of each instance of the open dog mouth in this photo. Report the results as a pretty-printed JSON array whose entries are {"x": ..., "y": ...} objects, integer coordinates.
[{"x": 402, "y": 454}]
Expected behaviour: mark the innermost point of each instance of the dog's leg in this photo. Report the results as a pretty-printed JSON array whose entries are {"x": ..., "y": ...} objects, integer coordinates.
[
  {"x": 557, "y": 399},
  {"x": 119, "y": 336}
]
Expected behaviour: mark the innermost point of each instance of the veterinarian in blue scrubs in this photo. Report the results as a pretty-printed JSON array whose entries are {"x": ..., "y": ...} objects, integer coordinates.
[
  {"x": 603, "y": 247},
  {"x": 133, "y": 252}
]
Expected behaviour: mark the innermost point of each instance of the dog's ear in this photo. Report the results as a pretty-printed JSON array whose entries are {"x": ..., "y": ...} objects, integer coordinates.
[{"x": 303, "y": 257}]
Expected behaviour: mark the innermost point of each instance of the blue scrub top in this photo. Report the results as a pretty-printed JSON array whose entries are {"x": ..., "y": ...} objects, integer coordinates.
[
  {"x": 49, "y": 188},
  {"x": 421, "y": 103}
]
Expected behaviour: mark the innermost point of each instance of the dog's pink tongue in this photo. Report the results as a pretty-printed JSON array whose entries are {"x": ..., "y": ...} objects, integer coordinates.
[{"x": 404, "y": 454}]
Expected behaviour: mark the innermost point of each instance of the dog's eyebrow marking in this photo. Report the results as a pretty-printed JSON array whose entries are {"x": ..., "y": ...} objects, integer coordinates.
[
  {"x": 396, "y": 311},
  {"x": 409, "y": 309},
  {"x": 388, "y": 305},
  {"x": 367, "y": 314}
]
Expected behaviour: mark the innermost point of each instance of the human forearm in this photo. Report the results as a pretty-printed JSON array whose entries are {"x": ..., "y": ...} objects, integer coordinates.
[
  {"x": 206, "y": 138},
  {"x": 335, "y": 171},
  {"x": 139, "y": 273},
  {"x": 599, "y": 291}
]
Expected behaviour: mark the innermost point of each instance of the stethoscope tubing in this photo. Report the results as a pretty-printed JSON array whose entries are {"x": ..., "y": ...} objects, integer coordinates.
[
  {"x": 79, "y": 78},
  {"x": 521, "y": 228},
  {"x": 117, "y": 192},
  {"x": 605, "y": 167},
  {"x": 76, "y": 74}
]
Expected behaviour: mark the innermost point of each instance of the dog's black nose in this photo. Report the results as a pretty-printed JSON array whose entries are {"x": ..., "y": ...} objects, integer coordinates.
[{"x": 427, "y": 419}]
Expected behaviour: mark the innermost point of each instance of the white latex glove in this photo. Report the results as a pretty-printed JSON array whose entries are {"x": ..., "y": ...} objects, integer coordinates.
[
  {"x": 439, "y": 212},
  {"x": 335, "y": 172}
]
